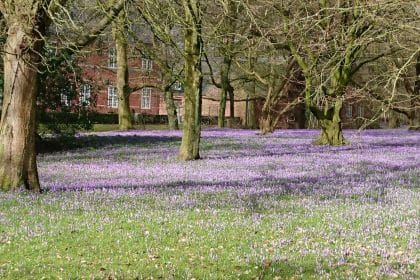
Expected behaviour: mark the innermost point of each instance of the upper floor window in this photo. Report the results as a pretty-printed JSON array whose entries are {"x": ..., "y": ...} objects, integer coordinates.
[
  {"x": 85, "y": 93},
  {"x": 112, "y": 58},
  {"x": 112, "y": 97},
  {"x": 146, "y": 96},
  {"x": 146, "y": 64}
]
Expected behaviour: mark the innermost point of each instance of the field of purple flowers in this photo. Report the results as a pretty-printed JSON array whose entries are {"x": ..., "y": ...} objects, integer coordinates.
[{"x": 120, "y": 205}]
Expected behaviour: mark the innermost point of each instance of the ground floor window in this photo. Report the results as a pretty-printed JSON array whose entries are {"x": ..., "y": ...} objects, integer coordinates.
[
  {"x": 360, "y": 111},
  {"x": 112, "y": 97},
  {"x": 349, "y": 111},
  {"x": 64, "y": 99},
  {"x": 146, "y": 98},
  {"x": 85, "y": 93}
]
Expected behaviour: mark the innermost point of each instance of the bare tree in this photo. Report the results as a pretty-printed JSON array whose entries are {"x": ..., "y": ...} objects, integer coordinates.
[
  {"x": 329, "y": 41},
  {"x": 27, "y": 23},
  {"x": 223, "y": 25},
  {"x": 164, "y": 52},
  {"x": 193, "y": 50},
  {"x": 120, "y": 33},
  {"x": 187, "y": 14}
]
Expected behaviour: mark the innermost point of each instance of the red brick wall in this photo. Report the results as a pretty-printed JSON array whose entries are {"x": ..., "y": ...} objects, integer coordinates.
[{"x": 95, "y": 71}]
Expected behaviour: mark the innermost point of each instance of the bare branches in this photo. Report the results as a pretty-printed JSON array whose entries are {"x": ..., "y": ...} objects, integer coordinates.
[{"x": 89, "y": 36}]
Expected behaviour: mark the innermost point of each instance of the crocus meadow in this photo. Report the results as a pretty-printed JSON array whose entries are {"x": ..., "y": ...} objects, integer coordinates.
[{"x": 120, "y": 205}]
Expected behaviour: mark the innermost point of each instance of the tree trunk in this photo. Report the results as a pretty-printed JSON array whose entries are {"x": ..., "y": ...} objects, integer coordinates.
[
  {"x": 231, "y": 120},
  {"x": 251, "y": 115},
  {"x": 125, "y": 118},
  {"x": 171, "y": 110},
  {"x": 17, "y": 128},
  {"x": 222, "y": 108},
  {"x": 266, "y": 123},
  {"x": 226, "y": 88},
  {"x": 266, "y": 119},
  {"x": 393, "y": 120},
  {"x": 251, "y": 118},
  {"x": 191, "y": 128},
  {"x": 330, "y": 122},
  {"x": 415, "y": 100}
]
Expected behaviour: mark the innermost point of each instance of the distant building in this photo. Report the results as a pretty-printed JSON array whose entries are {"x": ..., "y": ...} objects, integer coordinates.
[{"x": 97, "y": 91}]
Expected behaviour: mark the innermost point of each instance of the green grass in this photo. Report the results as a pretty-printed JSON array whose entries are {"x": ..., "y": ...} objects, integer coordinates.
[
  {"x": 101, "y": 235},
  {"x": 235, "y": 214}
]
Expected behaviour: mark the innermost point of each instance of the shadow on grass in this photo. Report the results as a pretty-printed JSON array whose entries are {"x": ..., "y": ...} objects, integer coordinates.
[
  {"x": 253, "y": 193},
  {"x": 67, "y": 143}
]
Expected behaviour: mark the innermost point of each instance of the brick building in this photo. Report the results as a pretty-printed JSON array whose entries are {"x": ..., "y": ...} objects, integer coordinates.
[{"x": 98, "y": 92}]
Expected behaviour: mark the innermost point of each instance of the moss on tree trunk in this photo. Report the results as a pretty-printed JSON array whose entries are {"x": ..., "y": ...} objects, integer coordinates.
[
  {"x": 191, "y": 128},
  {"x": 17, "y": 129},
  {"x": 222, "y": 108},
  {"x": 251, "y": 115},
  {"x": 266, "y": 122},
  {"x": 330, "y": 122},
  {"x": 125, "y": 118},
  {"x": 171, "y": 110}
]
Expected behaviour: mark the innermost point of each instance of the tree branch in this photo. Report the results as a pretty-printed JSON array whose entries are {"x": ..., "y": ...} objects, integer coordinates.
[
  {"x": 372, "y": 59},
  {"x": 218, "y": 85}
]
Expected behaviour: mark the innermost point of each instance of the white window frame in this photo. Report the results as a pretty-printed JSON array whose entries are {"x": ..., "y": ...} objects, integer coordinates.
[
  {"x": 146, "y": 64},
  {"x": 146, "y": 98},
  {"x": 112, "y": 97},
  {"x": 64, "y": 99},
  {"x": 85, "y": 94},
  {"x": 112, "y": 58},
  {"x": 360, "y": 111},
  {"x": 349, "y": 111},
  {"x": 178, "y": 85}
]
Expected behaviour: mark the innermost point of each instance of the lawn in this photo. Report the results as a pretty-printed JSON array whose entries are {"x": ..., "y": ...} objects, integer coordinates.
[{"x": 121, "y": 206}]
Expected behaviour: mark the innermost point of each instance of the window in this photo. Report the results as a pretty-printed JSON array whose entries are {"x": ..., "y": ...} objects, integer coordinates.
[
  {"x": 112, "y": 58},
  {"x": 85, "y": 90},
  {"x": 112, "y": 97},
  {"x": 177, "y": 85},
  {"x": 146, "y": 64},
  {"x": 64, "y": 99},
  {"x": 360, "y": 111},
  {"x": 349, "y": 111},
  {"x": 145, "y": 98}
]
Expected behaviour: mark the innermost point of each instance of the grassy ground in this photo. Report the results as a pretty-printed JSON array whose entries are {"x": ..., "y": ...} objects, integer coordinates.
[{"x": 255, "y": 207}]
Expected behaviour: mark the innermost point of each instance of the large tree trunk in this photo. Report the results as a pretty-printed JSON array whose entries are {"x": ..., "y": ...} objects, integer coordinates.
[
  {"x": 251, "y": 115},
  {"x": 27, "y": 23},
  {"x": 17, "y": 128},
  {"x": 125, "y": 118},
  {"x": 191, "y": 128},
  {"x": 171, "y": 110},
  {"x": 330, "y": 122}
]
